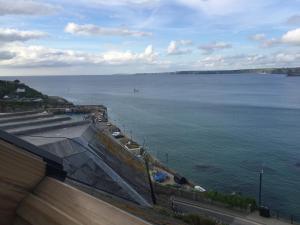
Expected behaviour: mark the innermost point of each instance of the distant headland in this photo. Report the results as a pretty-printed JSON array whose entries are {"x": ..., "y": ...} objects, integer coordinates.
[{"x": 285, "y": 71}]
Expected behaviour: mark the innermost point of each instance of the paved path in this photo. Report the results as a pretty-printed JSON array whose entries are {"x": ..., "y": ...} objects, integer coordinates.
[{"x": 224, "y": 215}]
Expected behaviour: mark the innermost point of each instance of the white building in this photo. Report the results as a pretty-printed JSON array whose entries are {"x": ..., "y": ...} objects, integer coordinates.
[{"x": 20, "y": 90}]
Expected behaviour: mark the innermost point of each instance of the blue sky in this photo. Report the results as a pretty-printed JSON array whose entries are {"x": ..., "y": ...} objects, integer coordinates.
[{"x": 81, "y": 37}]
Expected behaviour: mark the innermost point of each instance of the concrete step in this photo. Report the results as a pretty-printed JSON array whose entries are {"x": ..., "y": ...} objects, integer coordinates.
[
  {"x": 6, "y": 115},
  {"x": 24, "y": 118},
  {"x": 46, "y": 127},
  {"x": 34, "y": 122}
]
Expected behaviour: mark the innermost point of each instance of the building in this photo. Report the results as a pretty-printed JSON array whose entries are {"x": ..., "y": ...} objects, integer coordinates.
[
  {"x": 20, "y": 90},
  {"x": 33, "y": 191}
]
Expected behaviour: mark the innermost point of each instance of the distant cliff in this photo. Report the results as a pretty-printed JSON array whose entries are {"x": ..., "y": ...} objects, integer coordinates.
[{"x": 16, "y": 96}]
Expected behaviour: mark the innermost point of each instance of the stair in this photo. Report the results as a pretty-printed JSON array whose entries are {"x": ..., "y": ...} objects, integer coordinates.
[
  {"x": 46, "y": 127},
  {"x": 24, "y": 118},
  {"x": 5, "y": 115},
  {"x": 34, "y": 122}
]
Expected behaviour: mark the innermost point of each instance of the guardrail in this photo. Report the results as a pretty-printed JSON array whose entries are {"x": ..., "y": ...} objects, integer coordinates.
[{"x": 292, "y": 219}]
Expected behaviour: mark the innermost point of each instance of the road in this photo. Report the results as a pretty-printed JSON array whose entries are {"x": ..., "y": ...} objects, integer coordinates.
[{"x": 223, "y": 215}]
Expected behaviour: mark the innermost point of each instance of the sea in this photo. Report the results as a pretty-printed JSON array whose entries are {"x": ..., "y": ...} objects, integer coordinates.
[{"x": 220, "y": 131}]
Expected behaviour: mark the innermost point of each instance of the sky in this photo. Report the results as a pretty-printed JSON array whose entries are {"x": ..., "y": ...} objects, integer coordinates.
[{"x": 95, "y": 37}]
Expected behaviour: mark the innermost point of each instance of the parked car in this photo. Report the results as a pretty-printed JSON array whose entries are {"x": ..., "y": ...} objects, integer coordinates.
[
  {"x": 179, "y": 179},
  {"x": 199, "y": 188},
  {"x": 117, "y": 134}
]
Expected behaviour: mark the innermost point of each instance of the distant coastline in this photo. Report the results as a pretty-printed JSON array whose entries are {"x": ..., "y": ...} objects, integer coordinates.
[{"x": 295, "y": 71}]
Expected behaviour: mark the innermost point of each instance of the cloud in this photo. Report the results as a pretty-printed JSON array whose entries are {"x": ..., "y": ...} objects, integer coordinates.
[
  {"x": 258, "y": 37},
  {"x": 264, "y": 41},
  {"x": 293, "y": 20},
  {"x": 117, "y": 57},
  {"x": 11, "y": 35},
  {"x": 292, "y": 37},
  {"x": 25, "y": 7},
  {"x": 122, "y": 2},
  {"x": 219, "y": 7},
  {"x": 240, "y": 61},
  {"x": 6, "y": 55},
  {"x": 90, "y": 30},
  {"x": 210, "y": 48},
  {"x": 178, "y": 47},
  {"x": 40, "y": 56}
]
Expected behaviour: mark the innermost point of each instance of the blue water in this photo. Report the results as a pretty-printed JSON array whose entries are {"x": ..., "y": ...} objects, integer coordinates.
[{"x": 218, "y": 130}]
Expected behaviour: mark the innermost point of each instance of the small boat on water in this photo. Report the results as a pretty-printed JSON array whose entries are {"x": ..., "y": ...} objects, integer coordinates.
[{"x": 135, "y": 90}]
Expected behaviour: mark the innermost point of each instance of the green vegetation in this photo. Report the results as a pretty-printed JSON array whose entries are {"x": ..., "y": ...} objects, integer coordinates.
[
  {"x": 9, "y": 88},
  {"x": 233, "y": 200},
  {"x": 16, "y": 96},
  {"x": 194, "y": 219}
]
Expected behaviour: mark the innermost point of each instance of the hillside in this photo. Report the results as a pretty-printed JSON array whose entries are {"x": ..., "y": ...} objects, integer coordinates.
[
  {"x": 16, "y": 89},
  {"x": 17, "y": 96},
  {"x": 285, "y": 71}
]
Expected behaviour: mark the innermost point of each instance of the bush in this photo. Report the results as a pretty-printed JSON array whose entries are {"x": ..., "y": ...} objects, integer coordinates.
[{"x": 233, "y": 200}]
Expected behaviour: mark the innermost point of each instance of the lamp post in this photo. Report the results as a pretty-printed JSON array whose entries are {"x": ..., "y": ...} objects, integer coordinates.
[
  {"x": 260, "y": 187},
  {"x": 149, "y": 179}
]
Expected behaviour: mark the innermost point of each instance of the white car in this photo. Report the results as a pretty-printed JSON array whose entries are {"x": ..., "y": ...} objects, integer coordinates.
[
  {"x": 116, "y": 133},
  {"x": 199, "y": 188}
]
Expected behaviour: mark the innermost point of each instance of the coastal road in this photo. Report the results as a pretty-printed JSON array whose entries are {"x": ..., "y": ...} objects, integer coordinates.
[{"x": 224, "y": 216}]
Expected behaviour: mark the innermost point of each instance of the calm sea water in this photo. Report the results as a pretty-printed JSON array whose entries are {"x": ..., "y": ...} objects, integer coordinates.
[{"x": 218, "y": 130}]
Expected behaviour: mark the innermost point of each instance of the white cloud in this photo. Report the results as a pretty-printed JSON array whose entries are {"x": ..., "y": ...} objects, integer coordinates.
[
  {"x": 247, "y": 61},
  {"x": 219, "y": 7},
  {"x": 264, "y": 41},
  {"x": 292, "y": 37},
  {"x": 25, "y": 7},
  {"x": 121, "y": 2},
  {"x": 210, "y": 48},
  {"x": 90, "y": 29},
  {"x": 11, "y": 35},
  {"x": 39, "y": 56},
  {"x": 258, "y": 37},
  {"x": 178, "y": 47},
  {"x": 117, "y": 57}
]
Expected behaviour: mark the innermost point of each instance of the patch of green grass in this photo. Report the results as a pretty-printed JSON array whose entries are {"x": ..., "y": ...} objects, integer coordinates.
[{"x": 233, "y": 200}]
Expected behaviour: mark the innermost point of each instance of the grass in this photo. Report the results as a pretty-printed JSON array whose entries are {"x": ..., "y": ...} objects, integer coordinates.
[
  {"x": 194, "y": 219},
  {"x": 233, "y": 200}
]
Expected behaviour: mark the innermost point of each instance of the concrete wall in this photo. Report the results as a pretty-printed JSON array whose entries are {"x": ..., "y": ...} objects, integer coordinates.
[{"x": 128, "y": 166}]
